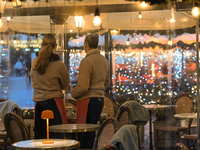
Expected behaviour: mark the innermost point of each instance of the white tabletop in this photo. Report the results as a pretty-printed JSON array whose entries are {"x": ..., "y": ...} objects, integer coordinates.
[
  {"x": 71, "y": 128},
  {"x": 156, "y": 106},
  {"x": 186, "y": 115},
  {"x": 64, "y": 144}
]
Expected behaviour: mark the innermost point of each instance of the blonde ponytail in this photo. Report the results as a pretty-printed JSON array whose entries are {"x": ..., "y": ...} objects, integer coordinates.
[{"x": 49, "y": 43}]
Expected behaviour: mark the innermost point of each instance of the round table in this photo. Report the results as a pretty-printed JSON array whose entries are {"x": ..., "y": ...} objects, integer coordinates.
[
  {"x": 58, "y": 144},
  {"x": 73, "y": 128},
  {"x": 150, "y": 108},
  {"x": 156, "y": 106},
  {"x": 186, "y": 115}
]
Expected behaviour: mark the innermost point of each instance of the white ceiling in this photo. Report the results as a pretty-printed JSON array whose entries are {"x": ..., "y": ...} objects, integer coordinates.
[{"x": 151, "y": 20}]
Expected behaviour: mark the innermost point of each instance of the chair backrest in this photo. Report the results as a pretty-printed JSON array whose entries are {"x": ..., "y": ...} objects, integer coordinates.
[
  {"x": 105, "y": 133},
  {"x": 140, "y": 114},
  {"x": 9, "y": 106},
  {"x": 72, "y": 104},
  {"x": 15, "y": 128},
  {"x": 110, "y": 106},
  {"x": 124, "y": 116},
  {"x": 126, "y": 138},
  {"x": 109, "y": 147},
  {"x": 184, "y": 103}
]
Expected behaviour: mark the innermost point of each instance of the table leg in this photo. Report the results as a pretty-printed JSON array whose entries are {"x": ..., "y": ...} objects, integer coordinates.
[{"x": 150, "y": 132}]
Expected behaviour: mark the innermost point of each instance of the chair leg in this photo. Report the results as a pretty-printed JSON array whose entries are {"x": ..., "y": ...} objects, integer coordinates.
[
  {"x": 138, "y": 137},
  {"x": 156, "y": 140}
]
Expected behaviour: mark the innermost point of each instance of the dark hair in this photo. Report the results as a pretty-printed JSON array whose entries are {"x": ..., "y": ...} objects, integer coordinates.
[
  {"x": 164, "y": 69},
  {"x": 92, "y": 40}
]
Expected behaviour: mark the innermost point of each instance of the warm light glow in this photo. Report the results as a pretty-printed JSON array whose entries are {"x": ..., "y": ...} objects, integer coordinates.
[
  {"x": 2, "y": 41},
  {"x": 97, "y": 20},
  {"x": 172, "y": 20},
  {"x": 127, "y": 42},
  {"x": 17, "y": 3},
  {"x": 2, "y": 6},
  {"x": 8, "y": 18},
  {"x": 1, "y": 22},
  {"x": 14, "y": 42},
  {"x": 195, "y": 11},
  {"x": 71, "y": 30},
  {"x": 115, "y": 32},
  {"x": 143, "y": 4},
  {"x": 79, "y": 22},
  {"x": 170, "y": 42},
  {"x": 153, "y": 71},
  {"x": 140, "y": 15}
]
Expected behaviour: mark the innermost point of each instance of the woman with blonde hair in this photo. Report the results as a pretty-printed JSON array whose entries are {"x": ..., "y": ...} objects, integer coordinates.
[{"x": 49, "y": 77}]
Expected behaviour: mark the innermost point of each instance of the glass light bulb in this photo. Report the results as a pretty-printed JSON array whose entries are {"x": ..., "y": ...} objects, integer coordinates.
[
  {"x": 195, "y": 11},
  {"x": 14, "y": 42},
  {"x": 97, "y": 20},
  {"x": 2, "y": 41},
  {"x": 127, "y": 42},
  {"x": 8, "y": 18},
  {"x": 140, "y": 16}
]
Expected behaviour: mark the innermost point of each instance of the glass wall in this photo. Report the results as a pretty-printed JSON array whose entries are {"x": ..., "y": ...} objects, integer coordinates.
[{"x": 152, "y": 57}]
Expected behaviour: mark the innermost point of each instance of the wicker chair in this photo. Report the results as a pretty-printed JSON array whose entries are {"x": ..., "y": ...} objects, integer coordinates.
[
  {"x": 70, "y": 103},
  {"x": 181, "y": 146},
  {"x": 3, "y": 137},
  {"x": 105, "y": 133},
  {"x": 109, "y": 147},
  {"x": 183, "y": 103},
  {"x": 15, "y": 128},
  {"x": 110, "y": 106},
  {"x": 124, "y": 116},
  {"x": 126, "y": 138},
  {"x": 190, "y": 138}
]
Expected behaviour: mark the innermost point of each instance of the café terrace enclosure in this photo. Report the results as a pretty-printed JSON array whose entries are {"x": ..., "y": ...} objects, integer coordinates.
[{"x": 38, "y": 17}]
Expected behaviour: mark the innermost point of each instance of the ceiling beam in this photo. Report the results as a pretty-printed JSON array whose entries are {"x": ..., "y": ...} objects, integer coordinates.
[{"x": 83, "y": 10}]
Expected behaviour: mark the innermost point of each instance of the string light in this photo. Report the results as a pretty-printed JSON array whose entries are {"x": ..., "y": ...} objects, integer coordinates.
[
  {"x": 2, "y": 41},
  {"x": 97, "y": 18},
  {"x": 140, "y": 15},
  {"x": 128, "y": 41}
]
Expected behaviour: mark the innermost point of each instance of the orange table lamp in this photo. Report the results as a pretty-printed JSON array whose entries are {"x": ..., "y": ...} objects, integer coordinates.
[{"x": 47, "y": 114}]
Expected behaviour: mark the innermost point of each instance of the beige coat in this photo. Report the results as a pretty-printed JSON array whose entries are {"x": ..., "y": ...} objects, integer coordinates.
[
  {"x": 94, "y": 76},
  {"x": 51, "y": 83}
]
